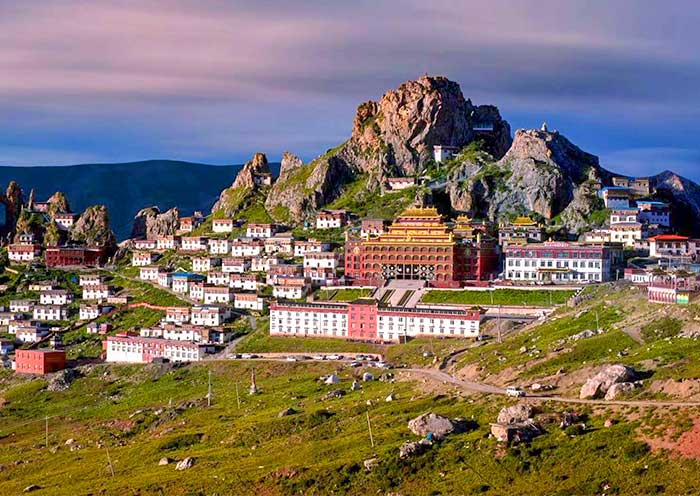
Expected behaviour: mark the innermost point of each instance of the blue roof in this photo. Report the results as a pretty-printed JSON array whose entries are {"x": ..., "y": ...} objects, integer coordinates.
[
  {"x": 187, "y": 275},
  {"x": 651, "y": 202},
  {"x": 616, "y": 188}
]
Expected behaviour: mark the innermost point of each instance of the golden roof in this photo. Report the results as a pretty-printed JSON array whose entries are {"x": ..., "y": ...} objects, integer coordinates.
[
  {"x": 524, "y": 221},
  {"x": 420, "y": 212}
]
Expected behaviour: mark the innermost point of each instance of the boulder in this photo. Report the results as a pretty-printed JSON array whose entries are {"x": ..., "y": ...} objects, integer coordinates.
[
  {"x": 164, "y": 461},
  {"x": 336, "y": 393},
  {"x": 618, "y": 389},
  {"x": 31, "y": 488},
  {"x": 391, "y": 397},
  {"x": 367, "y": 377},
  {"x": 521, "y": 432},
  {"x": 426, "y": 423},
  {"x": 412, "y": 448},
  {"x": 370, "y": 463},
  {"x": 287, "y": 412},
  {"x": 185, "y": 463},
  {"x": 514, "y": 414},
  {"x": 62, "y": 380},
  {"x": 598, "y": 385},
  {"x": 355, "y": 386}
]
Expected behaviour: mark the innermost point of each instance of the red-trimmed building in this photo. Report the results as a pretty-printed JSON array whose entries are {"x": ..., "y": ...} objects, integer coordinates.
[
  {"x": 420, "y": 246},
  {"x": 65, "y": 256},
  {"x": 42, "y": 361},
  {"x": 366, "y": 320}
]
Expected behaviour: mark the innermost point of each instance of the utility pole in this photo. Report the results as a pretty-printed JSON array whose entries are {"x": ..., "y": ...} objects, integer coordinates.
[
  {"x": 109, "y": 460},
  {"x": 209, "y": 391},
  {"x": 238, "y": 398},
  {"x": 369, "y": 427},
  {"x": 46, "y": 429},
  {"x": 499, "y": 325}
]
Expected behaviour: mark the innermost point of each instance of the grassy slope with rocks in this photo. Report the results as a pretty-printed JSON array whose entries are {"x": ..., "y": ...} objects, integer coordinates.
[{"x": 143, "y": 413}]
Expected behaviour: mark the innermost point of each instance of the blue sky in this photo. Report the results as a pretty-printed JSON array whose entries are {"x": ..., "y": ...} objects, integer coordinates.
[{"x": 215, "y": 81}]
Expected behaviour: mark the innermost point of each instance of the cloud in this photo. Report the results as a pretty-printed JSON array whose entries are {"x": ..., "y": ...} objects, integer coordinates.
[{"x": 216, "y": 80}]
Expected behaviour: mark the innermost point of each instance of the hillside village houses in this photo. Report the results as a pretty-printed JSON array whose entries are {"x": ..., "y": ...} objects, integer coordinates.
[
  {"x": 372, "y": 227},
  {"x": 248, "y": 301},
  {"x": 193, "y": 244},
  {"x": 56, "y": 297},
  {"x": 221, "y": 226},
  {"x": 205, "y": 264},
  {"x": 219, "y": 246},
  {"x": 247, "y": 247},
  {"x": 331, "y": 219},
  {"x": 89, "y": 312},
  {"x": 282, "y": 243},
  {"x": 142, "y": 258},
  {"x": 97, "y": 292},
  {"x": 23, "y": 253},
  {"x": 165, "y": 243},
  {"x": 145, "y": 244},
  {"x": 291, "y": 287},
  {"x": 165, "y": 279},
  {"x": 133, "y": 349},
  {"x": 207, "y": 315},
  {"x": 218, "y": 278},
  {"x": 181, "y": 281},
  {"x": 177, "y": 315},
  {"x": 47, "y": 313},
  {"x": 64, "y": 221},
  {"x": 149, "y": 273},
  {"x": 90, "y": 280},
  {"x": 442, "y": 153},
  {"x": 301, "y": 248},
  {"x": 400, "y": 183},
  {"x": 216, "y": 294},
  {"x": 254, "y": 230},
  {"x": 237, "y": 265},
  {"x": 21, "y": 306}
]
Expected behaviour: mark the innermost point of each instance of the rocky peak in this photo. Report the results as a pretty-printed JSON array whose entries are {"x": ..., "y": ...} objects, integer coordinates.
[
  {"x": 92, "y": 227},
  {"x": 290, "y": 162},
  {"x": 398, "y": 132},
  {"x": 246, "y": 176},
  {"x": 58, "y": 204},
  {"x": 150, "y": 223}
]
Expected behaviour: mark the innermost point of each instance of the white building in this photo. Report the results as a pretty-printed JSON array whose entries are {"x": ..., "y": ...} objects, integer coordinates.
[
  {"x": 263, "y": 264},
  {"x": 222, "y": 225},
  {"x": 246, "y": 282},
  {"x": 248, "y": 301},
  {"x": 260, "y": 230},
  {"x": 89, "y": 312},
  {"x": 330, "y": 219},
  {"x": 145, "y": 244},
  {"x": 132, "y": 349},
  {"x": 164, "y": 243},
  {"x": 218, "y": 278},
  {"x": 562, "y": 262},
  {"x": 400, "y": 183},
  {"x": 23, "y": 253},
  {"x": 181, "y": 281},
  {"x": 56, "y": 297},
  {"x": 177, "y": 315},
  {"x": 442, "y": 153},
  {"x": 64, "y": 221},
  {"x": 149, "y": 273},
  {"x": 97, "y": 292},
  {"x": 321, "y": 260},
  {"x": 301, "y": 248},
  {"x": 216, "y": 294},
  {"x": 141, "y": 258},
  {"x": 204, "y": 264},
  {"x": 280, "y": 243},
  {"x": 30, "y": 334},
  {"x": 219, "y": 246},
  {"x": 47, "y": 313},
  {"x": 247, "y": 247},
  {"x": 209, "y": 316},
  {"x": 624, "y": 216},
  {"x": 193, "y": 244},
  {"x": 293, "y": 288},
  {"x": 235, "y": 265},
  {"x": 197, "y": 290},
  {"x": 21, "y": 306},
  {"x": 165, "y": 279},
  {"x": 91, "y": 280}
]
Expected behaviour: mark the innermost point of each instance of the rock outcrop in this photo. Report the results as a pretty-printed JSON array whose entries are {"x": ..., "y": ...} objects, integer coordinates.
[
  {"x": 150, "y": 223},
  {"x": 542, "y": 172},
  {"x": 432, "y": 423},
  {"x": 598, "y": 385},
  {"x": 92, "y": 227},
  {"x": 244, "y": 187},
  {"x": 392, "y": 137},
  {"x": 58, "y": 204},
  {"x": 515, "y": 414},
  {"x": 684, "y": 197},
  {"x": 12, "y": 201}
]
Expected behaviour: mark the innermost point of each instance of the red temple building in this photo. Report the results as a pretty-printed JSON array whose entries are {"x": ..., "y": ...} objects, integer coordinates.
[{"x": 420, "y": 246}]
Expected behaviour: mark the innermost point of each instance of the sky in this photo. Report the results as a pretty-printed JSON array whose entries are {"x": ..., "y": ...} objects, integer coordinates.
[{"x": 215, "y": 81}]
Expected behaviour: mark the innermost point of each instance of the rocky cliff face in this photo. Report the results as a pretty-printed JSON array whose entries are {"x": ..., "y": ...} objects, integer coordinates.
[
  {"x": 12, "y": 200},
  {"x": 684, "y": 197},
  {"x": 92, "y": 228},
  {"x": 392, "y": 137},
  {"x": 150, "y": 223},
  {"x": 542, "y": 172},
  {"x": 58, "y": 204},
  {"x": 236, "y": 197}
]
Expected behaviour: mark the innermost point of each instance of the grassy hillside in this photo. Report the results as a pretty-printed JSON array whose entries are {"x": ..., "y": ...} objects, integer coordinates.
[
  {"x": 126, "y": 188},
  {"x": 130, "y": 417}
]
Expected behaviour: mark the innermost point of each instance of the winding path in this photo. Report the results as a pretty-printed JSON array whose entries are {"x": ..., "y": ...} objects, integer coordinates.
[{"x": 478, "y": 387}]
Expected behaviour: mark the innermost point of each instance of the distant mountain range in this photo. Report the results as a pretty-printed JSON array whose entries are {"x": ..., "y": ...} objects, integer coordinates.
[{"x": 125, "y": 188}]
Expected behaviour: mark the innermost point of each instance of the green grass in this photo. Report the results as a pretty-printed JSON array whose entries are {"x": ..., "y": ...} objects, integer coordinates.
[
  {"x": 248, "y": 449},
  {"x": 260, "y": 341},
  {"x": 357, "y": 199},
  {"x": 665, "y": 327},
  {"x": 148, "y": 293},
  {"x": 345, "y": 294},
  {"x": 508, "y": 297}
]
